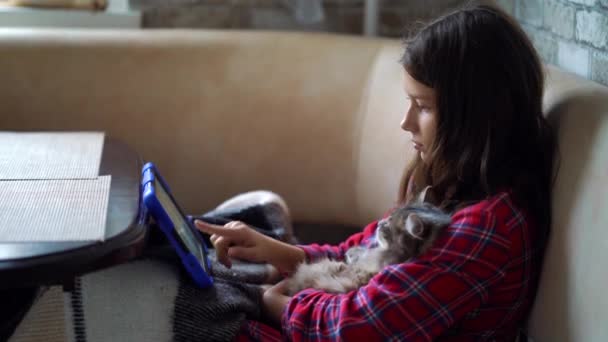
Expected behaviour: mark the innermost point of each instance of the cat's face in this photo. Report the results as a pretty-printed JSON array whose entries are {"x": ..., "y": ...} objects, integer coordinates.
[
  {"x": 403, "y": 231},
  {"x": 399, "y": 228},
  {"x": 409, "y": 229}
]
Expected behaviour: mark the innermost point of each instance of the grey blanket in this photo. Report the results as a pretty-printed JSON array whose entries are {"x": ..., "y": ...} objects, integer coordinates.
[
  {"x": 217, "y": 313},
  {"x": 153, "y": 299}
]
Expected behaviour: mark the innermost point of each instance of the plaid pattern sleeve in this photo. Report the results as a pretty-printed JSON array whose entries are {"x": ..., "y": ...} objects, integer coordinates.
[
  {"x": 253, "y": 331},
  {"x": 316, "y": 251},
  {"x": 472, "y": 285}
]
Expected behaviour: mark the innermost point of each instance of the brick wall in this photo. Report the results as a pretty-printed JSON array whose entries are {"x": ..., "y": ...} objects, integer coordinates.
[
  {"x": 341, "y": 16},
  {"x": 572, "y": 34}
]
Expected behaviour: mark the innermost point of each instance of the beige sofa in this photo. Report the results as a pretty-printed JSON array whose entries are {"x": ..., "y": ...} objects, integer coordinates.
[{"x": 312, "y": 117}]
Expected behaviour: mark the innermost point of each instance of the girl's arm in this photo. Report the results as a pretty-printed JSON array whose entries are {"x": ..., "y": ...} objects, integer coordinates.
[
  {"x": 316, "y": 251},
  {"x": 237, "y": 240},
  {"x": 413, "y": 301}
]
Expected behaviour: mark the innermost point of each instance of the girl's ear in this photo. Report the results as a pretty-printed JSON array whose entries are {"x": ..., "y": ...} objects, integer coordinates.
[{"x": 414, "y": 226}]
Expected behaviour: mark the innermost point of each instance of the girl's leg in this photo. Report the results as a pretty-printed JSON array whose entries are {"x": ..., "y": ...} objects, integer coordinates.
[
  {"x": 263, "y": 210},
  {"x": 251, "y": 198}
]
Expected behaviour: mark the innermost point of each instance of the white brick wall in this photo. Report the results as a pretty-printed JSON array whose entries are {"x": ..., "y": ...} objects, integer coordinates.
[
  {"x": 572, "y": 34},
  {"x": 573, "y": 58},
  {"x": 592, "y": 28},
  {"x": 584, "y": 2},
  {"x": 599, "y": 67},
  {"x": 559, "y": 18}
]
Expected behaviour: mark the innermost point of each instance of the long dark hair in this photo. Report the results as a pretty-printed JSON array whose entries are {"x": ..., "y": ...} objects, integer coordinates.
[{"x": 491, "y": 133}]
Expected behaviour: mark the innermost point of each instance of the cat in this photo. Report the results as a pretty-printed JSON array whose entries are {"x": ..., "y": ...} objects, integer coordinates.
[{"x": 407, "y": 232}]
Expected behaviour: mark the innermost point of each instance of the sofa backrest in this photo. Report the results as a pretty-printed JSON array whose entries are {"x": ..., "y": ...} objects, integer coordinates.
[
  {"x": 572, "y": 301},
  {"x": 313, "y": 117},
  {"x": 222, "y": 112}
]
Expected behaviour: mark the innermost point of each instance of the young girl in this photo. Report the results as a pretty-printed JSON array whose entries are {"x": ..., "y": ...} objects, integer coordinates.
[{"x": 474, "y": 87}]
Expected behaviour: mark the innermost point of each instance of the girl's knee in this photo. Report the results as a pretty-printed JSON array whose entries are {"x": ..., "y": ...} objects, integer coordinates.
[{"x": 253, "y": 198}]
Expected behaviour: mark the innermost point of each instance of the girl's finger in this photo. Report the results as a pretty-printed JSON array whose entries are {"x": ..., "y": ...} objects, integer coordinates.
[
  {"x": 213, "y": 228},
  {"x": 221, "y": 245},
  {"x": 234, "y": 224},
  {"x": 244, "y": 253}
]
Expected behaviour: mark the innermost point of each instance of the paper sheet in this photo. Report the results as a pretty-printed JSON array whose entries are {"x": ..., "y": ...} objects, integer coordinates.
[
  {"x": 45, "y": 155},
  {"x": 54, "y": 210}
]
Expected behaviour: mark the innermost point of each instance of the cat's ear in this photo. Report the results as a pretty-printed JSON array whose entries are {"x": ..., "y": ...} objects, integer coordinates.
[
  {"x": 426, "y": 195},
  {"x": 414, "y": 226}
]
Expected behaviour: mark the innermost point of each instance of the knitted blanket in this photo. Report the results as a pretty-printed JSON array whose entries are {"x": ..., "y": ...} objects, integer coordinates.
[{"x": 217, "y": 313}]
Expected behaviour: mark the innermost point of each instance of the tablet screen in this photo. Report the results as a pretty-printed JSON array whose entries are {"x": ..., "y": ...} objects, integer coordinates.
[{"x": 180, "y": 224}]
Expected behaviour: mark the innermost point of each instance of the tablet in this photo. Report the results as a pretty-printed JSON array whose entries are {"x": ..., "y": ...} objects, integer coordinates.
[{"x": 183, "y": 236}]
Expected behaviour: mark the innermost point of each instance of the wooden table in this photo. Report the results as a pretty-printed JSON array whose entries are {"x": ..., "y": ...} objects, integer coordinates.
[{"x": 46, "y": 263}]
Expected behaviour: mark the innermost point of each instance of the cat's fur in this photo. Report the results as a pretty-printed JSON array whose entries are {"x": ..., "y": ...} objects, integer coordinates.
[{"x": 408, "y": 232}]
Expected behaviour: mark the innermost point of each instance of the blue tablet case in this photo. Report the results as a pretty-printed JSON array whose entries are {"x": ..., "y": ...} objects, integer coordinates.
[{"x": 183, "y": 236}]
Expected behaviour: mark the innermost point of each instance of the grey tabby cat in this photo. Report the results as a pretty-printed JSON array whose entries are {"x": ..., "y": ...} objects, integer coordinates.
[{"x": 408, "y": 232}]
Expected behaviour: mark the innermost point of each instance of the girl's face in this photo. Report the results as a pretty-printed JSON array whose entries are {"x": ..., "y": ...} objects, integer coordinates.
[{"x": 420, "y": 118}]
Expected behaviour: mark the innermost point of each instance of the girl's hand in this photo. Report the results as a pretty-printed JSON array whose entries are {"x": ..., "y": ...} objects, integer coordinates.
[
  {"x": 237, "y": 240},
  {"x": 275, "y": 301}
]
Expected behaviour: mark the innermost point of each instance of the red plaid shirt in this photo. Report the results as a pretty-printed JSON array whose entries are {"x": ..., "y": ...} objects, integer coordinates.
[{"x": 476, "y": 283}]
